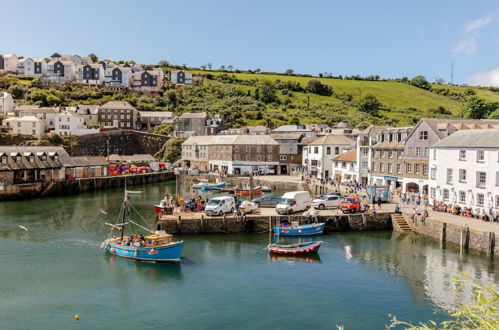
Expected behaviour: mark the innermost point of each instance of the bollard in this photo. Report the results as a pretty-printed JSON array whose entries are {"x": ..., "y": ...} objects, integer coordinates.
[
  {"x": 491, "y": 244},
  {"x": 443, "y": 234}
]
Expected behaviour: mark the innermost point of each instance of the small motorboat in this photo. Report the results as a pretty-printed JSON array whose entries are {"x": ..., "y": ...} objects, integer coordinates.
[
  {"x": 247, "y": 190},
  {"x": 200, "y": 184},
  {"x": 220, "y": 183},
  {"x": 156, "y": 246},
  {"x": 266, "y": 189},
  {"x": 299, "y": 230},
  {"x": 300, "y": 248}
]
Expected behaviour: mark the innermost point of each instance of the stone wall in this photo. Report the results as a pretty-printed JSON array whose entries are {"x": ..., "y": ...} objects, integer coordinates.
[
  {"x": 465, "y": 237},
  {"x": 65, "y": 187},
  {"x": 122, "y": 142},
  {"x": 258, "y": 224}
]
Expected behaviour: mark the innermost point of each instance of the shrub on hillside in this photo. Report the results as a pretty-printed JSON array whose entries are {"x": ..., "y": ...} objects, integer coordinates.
[
  {"x": 316, "y": 87},
  {"x": 368, "y": 104}
]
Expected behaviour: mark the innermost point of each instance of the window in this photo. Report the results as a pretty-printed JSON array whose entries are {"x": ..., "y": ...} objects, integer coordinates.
[
  {"x": 449, "y": 176},
  {"x": 18, "y": 124},
  {"x": 423, "y": 135},
  {"x": 462, "y": 197},
  {"x": 44, "y": 158},
  {"x": 480, "y": 199},
  {"x": 33, "y": 132},
  {"x": 418, "y": 151},
  {"x": 31, "y": 158},
  {"x": 248, "y": 148},
  {"x": 417, "y": 168},
  {"x": 328, "y": 150},
  {"x": 480, "y": 156},
  {"x": 4, "y": 159},
  {"x": 434, "y": 154},
  {"x": 481, "y": 179},
  {"x": 269, "y": 149},
  {"x": 365, "y": 152},
  {"x": 462, "y": 175},
  {"x": 382, "y": 167},
  {"x": 316, "y": 150},
  {"x": 497, "y": 178},
  {"x": 343, "y": 165},
  {"x": 390, "y": 153},
  {"x": 409, "y": 151},
  {"x": 283, "y": 157},
  {"x": 399, "y": 168},
  {"x": 258, "y": 149},
  {"x": 408, "y": 168},
  {"x": 462, "y": 154},
  {"x": 497, "y": 201},
  {"x": 446, "y": 194},
  {"x": 336, "y": 150},
  {"x": 399, "y": 154},
  {"x": 425, "y": 169},
  {"x": 381, "y": 153},
  {"x": 269, "y": 158},
  {"x": 364, "y": 164},
  {"x": 426, "y": 151},
  {"x": 390, "y": 168},
  {"x": 433, "y": 192}
]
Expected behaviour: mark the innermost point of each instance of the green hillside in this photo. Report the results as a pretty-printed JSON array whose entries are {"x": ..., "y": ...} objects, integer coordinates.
[{"x": 252, "y": 99}]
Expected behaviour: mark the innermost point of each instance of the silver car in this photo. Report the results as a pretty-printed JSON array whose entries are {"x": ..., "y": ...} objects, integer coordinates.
[{"x": 327, "y": 202}]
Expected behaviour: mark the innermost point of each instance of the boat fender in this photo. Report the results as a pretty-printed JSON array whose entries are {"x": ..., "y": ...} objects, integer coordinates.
[
  {"x": 136, "y": 252},
  {"x": 112, "y": 250}
]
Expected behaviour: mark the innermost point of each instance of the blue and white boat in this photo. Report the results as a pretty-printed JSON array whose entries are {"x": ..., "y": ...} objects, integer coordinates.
[
  {"x": 156, "y": 246},
  {"x": 212, "y": 186},
  {"x": 299, "y": 230}
]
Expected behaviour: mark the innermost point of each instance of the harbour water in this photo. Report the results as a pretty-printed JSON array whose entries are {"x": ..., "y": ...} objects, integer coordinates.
[{"x": 56, "y": 270}]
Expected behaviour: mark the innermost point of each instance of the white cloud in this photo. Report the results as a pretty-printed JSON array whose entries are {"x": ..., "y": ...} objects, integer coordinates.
[
  {"x": 490, "y": 78},
  {"x": 466, "y": 46},
  {"x": 477, "y": 24}
]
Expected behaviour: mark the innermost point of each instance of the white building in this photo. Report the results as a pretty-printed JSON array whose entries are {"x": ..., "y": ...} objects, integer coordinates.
[
  {"x": 31, "y": 67},
  {"x": 67, "y": 123},
  {"x": 6, "y": 103},
  {"x": 365, "y": 141},
  {"x": 117, "y": 76},
  {"x": 317, "y": 159},
  {"x": 8, "y": 63},
  {"x": 180, "y": 77},
  {"x": 60, "y": 72},
  {"x": 91, "y": 74},
  {"x": 291, "y": 129},
  {"x": 345, "y": 166},
  {"x": 28, "y": 125},
  {"x": 464, "y": 169}
]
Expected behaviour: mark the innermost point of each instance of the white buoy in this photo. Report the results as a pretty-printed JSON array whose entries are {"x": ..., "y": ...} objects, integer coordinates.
[{"x": 22, "y": 227}]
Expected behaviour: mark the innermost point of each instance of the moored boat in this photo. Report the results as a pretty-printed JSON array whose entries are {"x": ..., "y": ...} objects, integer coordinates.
[
  {"x": 247, "y": 191},
  {"x": 293, "y": 249},
  {"x": 156, "y": 246},
  {"x": 299, "y": 230}
]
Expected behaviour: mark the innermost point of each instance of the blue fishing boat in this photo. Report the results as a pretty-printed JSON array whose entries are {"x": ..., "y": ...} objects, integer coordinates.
[
  {"x": 299, "y": 230},
  {"x": 213, "y": 186},
  {"x": 156, "y": 246}
]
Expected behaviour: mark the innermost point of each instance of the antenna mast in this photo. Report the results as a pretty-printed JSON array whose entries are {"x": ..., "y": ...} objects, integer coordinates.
[{"x": 452, "y": 72}]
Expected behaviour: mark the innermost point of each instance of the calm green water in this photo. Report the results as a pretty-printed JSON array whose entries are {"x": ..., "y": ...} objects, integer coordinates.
[{"x": 57, "y": 269}]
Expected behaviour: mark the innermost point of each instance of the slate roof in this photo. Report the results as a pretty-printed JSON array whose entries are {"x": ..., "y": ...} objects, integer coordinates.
[
  {"x": 245, "y": 139},
  {"x": 189, "y": 115},
  {"x": 115, "y": 158},
  {"x": 332, "y": 139},
  {"x": 479, "y": 138},
  {"x": 94, "y": 109},
  {"x": 288, "y": 136},
  {"x": 440, "y": 126},
  {"x": 25, "y": 152},
  {"x": 117, "y": 105}
]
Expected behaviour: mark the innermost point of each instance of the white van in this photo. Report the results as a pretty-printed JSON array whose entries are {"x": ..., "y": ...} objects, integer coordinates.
[
  {"x": 294, "y": 201},
  {"x": 220, "y": 205}
]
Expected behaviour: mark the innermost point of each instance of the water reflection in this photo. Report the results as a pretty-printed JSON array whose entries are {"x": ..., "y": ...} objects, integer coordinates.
[
  {"x": 311, "y": 258},
  {"x": 154, "y": 272}
]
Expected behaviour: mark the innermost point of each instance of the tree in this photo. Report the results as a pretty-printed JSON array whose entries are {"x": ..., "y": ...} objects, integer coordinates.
[
  {"x": 420, "y": 82},
  {"x": 267, "y": 92},
  {"x": 477, "y": 108},
  {"x": 289, "y": 72},
  {"x": 440, "y": 81},
  {"x": 163, "y": 129},
  {"x": 208, "y": 66},
  {"x": 230, "y": 67},
  {"x": 222, "y": 67},
  {"x": 494, "y": 114},
  {"x": 316, "y": 87},
  {"x": 171, "y": 150},
  {"x": 368, "y": 104},
  {"x": 258, "y": 70},
  {"x": 294, "y": 120},
  {"x": 163, "y": 63},
  {"x": 93, "y": 57},
  {"x": 203, "y": 67}
]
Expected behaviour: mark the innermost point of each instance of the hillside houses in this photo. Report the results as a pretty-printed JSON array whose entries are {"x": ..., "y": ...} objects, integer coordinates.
[
  {"x": 8, "y": 63},
  {"x": 32, "y": 67}
]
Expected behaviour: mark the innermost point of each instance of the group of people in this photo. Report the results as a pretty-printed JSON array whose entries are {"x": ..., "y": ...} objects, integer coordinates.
[
  {"x": 135, "y": 240},
  {"x": 477, "y": 213}
]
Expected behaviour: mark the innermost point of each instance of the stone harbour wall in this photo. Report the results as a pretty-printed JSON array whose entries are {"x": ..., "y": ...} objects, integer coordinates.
[{"x": 259, "y": 224}]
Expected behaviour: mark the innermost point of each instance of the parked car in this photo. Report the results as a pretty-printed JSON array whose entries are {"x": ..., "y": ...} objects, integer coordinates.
[
  {"x": 220, "y": 205},
  {"x": 248, "y": 207},
  {"x": 267, "y": 201},
  {"x": 293, "y": 201},
  {"x": 327, "y": 202},
  {"x": 350, "y": 204}
]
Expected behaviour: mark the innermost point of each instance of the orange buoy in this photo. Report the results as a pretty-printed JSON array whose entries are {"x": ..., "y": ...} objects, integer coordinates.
[{"x": 77, "y": 317}]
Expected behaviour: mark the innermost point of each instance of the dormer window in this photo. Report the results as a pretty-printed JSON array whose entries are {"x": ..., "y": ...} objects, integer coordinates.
[
  {"x": 18, "y": 159},
  {"x": 4, "y": 159},
  {"x": 44, "y": 158}
]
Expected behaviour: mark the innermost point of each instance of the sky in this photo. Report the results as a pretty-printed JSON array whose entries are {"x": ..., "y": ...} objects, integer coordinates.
[{"x": 391, "y": 38}]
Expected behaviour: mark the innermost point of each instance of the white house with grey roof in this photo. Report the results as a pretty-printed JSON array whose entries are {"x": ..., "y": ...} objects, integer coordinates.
[
  {"x": 31, "y": 67},
  {"x": 8, "y": 63},
  {"x": 464, "y": 169}
]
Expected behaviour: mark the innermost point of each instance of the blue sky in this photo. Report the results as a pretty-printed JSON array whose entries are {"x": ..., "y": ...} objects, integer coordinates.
[{"x": 389, "y": 38}]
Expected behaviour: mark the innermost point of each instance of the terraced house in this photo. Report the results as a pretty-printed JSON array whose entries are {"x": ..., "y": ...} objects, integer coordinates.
[
  {"x": 118, "y": 114},
  {"x": 91, "y": 74},
  {"x": 387, "y": 159},
  {"x": 427, "y": 132}
]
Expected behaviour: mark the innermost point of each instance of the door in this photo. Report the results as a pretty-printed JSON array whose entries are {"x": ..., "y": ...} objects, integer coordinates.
[{"x": 284, "y": 169}]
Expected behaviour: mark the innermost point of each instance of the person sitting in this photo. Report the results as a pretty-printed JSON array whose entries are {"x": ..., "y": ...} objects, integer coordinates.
[{"x": 397, "y": 209}]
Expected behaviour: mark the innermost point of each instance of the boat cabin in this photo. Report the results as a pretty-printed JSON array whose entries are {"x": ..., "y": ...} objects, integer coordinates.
[{"x": 159, "y": 238}]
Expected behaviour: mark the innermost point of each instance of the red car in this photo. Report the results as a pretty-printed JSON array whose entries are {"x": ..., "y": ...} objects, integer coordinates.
[{"x": 350, "y": 204}]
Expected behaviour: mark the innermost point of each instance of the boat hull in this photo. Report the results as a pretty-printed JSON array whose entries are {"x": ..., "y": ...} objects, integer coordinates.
[
  {"x": 165, "y": 253},
  {"x": 303, "y": 230},
  {"x": 213, "y": 186},
  {"x": 295, "y": 249}
]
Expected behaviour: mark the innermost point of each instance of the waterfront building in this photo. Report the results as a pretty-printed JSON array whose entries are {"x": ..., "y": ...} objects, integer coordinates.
[
  {"x": 232, "y": 154},
  {"x": 387, "y": 153},
  {"x": 44, "y": 113},
  {"x": 464, "y": 169},
  {"x": 32, "y": 67},
  {"x": 8, "y": 63},
  {"x": 428, "y": 131},
  {"x": 344, "y": 167},
  {"x": 6, "y": 103},
  {"x": 27, "y": 125},
  {"x": 290, "y": 152},
  {"x": 118, "y": 114},
  {"x": 150, "y": 119},
  {"x": 317, "y": 159},
  {"x": 365, "y": 141}
]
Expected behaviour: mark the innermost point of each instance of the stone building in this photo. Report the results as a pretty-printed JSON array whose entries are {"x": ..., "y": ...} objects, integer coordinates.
[
  {"x": 387, "y": 153},
  {"x": 464, "y": 170},
  {"x": 290, "y": 152},
  {"x": 197, "y": 123},
  {"x": 118, "y": 114}
]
